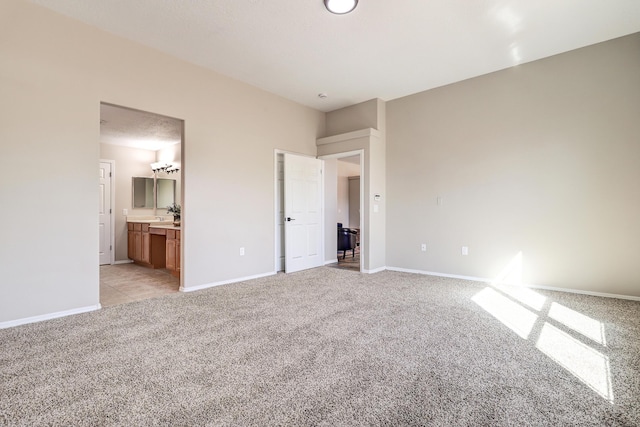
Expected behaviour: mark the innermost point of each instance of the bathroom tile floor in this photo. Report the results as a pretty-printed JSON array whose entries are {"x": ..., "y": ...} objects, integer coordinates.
[{"x": 123, "y": 283}]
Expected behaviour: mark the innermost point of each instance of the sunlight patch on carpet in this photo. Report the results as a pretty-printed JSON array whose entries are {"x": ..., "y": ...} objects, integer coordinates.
[
  {"x": 587, "y": 364},
  {"x": 510, "y": 313},
  {"x": 507, "y": 300}
]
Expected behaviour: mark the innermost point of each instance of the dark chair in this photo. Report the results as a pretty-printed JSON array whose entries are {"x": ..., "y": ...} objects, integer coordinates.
[{"x": 347, "y": 239}]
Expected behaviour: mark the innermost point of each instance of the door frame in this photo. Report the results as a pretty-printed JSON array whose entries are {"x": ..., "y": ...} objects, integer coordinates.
[
  {"x": 112, "y": 216},
  {"x": 363, "y": 235}
]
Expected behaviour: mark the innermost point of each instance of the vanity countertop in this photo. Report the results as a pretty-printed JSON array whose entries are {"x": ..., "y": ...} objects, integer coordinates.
[
  {"x": 140, "y": 219},
  {"x": 164, "y": 226}
]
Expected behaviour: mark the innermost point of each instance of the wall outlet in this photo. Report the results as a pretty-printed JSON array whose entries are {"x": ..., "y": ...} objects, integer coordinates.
[
  {"x": 125, "y": 212},
  {"x": 465, "y": 250},
  {"x": 423, "y": 247},
  {"x": 241, "y": 251}
]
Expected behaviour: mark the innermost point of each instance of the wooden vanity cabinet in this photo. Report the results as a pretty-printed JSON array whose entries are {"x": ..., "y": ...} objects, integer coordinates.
[
  {"x": 142, "y": 248},
  {"x": 173, "y": 252}
]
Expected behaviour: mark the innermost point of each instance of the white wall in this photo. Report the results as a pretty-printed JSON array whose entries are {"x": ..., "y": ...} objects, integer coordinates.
[
  {"x": 54, "y": 73},
  {"x": 540, "y": 159},
  {"x": 345, "y": 170}
]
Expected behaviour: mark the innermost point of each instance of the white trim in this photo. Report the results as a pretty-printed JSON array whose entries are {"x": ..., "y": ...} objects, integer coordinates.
[
  {"x": 360, "y": 152},
  {"x": 344, "y": 154},
  {"x": 49, "y": 316},
  {"x": 226, "y": 282},
  {"x": 112, "y": 216},
  {"x": 128, "y": 261},
  {"x": 331, "y": 261},
  {"x": 362, "y": 133},
  {"x": 375, "y": 270},
  {"x": 276, "y": 264},
  {"x": 526, "y": 285}
]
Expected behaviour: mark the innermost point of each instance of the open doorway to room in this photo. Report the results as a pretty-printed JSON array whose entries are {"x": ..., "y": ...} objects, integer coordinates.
[
  {"x": 348, "y": 205},
  {"x": 141, "y": 187}
]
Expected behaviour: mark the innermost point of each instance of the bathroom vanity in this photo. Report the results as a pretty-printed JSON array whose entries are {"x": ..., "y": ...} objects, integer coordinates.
[{"x": 154, "y": 244}]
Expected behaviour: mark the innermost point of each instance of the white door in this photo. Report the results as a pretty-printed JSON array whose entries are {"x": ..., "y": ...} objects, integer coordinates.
[
  {"x": 104, "y": 213},
  {"x": 302, "y": 213}
]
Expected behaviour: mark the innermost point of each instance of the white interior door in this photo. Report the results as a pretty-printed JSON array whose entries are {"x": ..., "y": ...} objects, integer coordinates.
[
  {"x": 302, "y": 213},
  {"x": 104, "y": 213}
]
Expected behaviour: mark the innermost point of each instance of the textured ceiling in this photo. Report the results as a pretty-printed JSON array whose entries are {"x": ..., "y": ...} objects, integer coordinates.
[
  {"x": 384, "y": 49},
  {"x": 138, "y": 129}
]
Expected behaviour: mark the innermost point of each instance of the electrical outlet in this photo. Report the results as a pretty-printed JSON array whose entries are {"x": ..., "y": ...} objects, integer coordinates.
[
  {"x": 465, "y": 250},
  {"x": 241, "y": 251},
  {"x": 423, "y": 247}
]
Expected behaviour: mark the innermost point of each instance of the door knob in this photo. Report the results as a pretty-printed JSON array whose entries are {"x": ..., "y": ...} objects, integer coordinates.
[{"x": 290, "y": 219}]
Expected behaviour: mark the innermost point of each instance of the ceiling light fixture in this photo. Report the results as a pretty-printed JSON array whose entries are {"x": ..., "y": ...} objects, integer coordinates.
[{"x": 340, "y": 7}]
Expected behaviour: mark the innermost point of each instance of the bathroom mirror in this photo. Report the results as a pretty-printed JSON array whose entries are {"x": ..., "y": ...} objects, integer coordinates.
[
  {"x": 166, "y": 192},
  {"x": 142, "y": 193}
]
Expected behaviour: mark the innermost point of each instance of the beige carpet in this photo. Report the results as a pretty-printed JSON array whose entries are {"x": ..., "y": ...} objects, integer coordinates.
[{"x": 330, "y": 347}]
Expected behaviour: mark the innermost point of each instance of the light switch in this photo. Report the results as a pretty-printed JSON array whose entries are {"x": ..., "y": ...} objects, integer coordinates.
[
  {"x": 376, "y": 208},
  {"x": 125, "y": 212},
  {"x": 465, "y": 250}
]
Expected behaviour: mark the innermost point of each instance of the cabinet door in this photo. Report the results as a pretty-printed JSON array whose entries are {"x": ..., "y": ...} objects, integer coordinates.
[
  {"x": 137, "y": 245},
  {"x": 171, "y": 254},
  {"x": 131, "y": 246},
  {"x": 146, "y": 245}
]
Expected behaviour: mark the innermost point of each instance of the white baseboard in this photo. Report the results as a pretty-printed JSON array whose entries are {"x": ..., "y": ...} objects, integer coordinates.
[
  {"x": 331, "y": 261},
  {"x": 42, "y": 317},
  {"x": 225, "y": 282},
  {"x": 375, "y": 270},
  {"x": 486, "y": 280},
  {"x": 127, "y": 261}
]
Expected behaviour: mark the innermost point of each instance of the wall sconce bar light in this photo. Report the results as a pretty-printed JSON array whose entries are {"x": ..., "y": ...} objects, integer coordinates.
[
  {"x": 340, "y": 7},
  {"x": 164, "y": 167}
]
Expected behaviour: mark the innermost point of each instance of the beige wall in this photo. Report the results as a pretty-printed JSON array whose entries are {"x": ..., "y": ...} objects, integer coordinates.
[
  {"x": 368, "y": 114},
  {"x": 54, "y": 72},
  {"x": 541, "y": 159}
]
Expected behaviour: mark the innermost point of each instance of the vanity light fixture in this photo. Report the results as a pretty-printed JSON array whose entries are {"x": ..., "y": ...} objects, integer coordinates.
[
  {"x": 340, "y": 7},
  {"x": 164, "y": 167}
]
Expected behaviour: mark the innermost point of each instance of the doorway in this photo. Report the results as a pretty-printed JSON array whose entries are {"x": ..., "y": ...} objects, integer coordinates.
[
  {"x": 329, "y": 199},
  {"x": 141, "y": 147},
  {"x": 349, "y": 212},
  {"x": 299, "y": 212}
]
